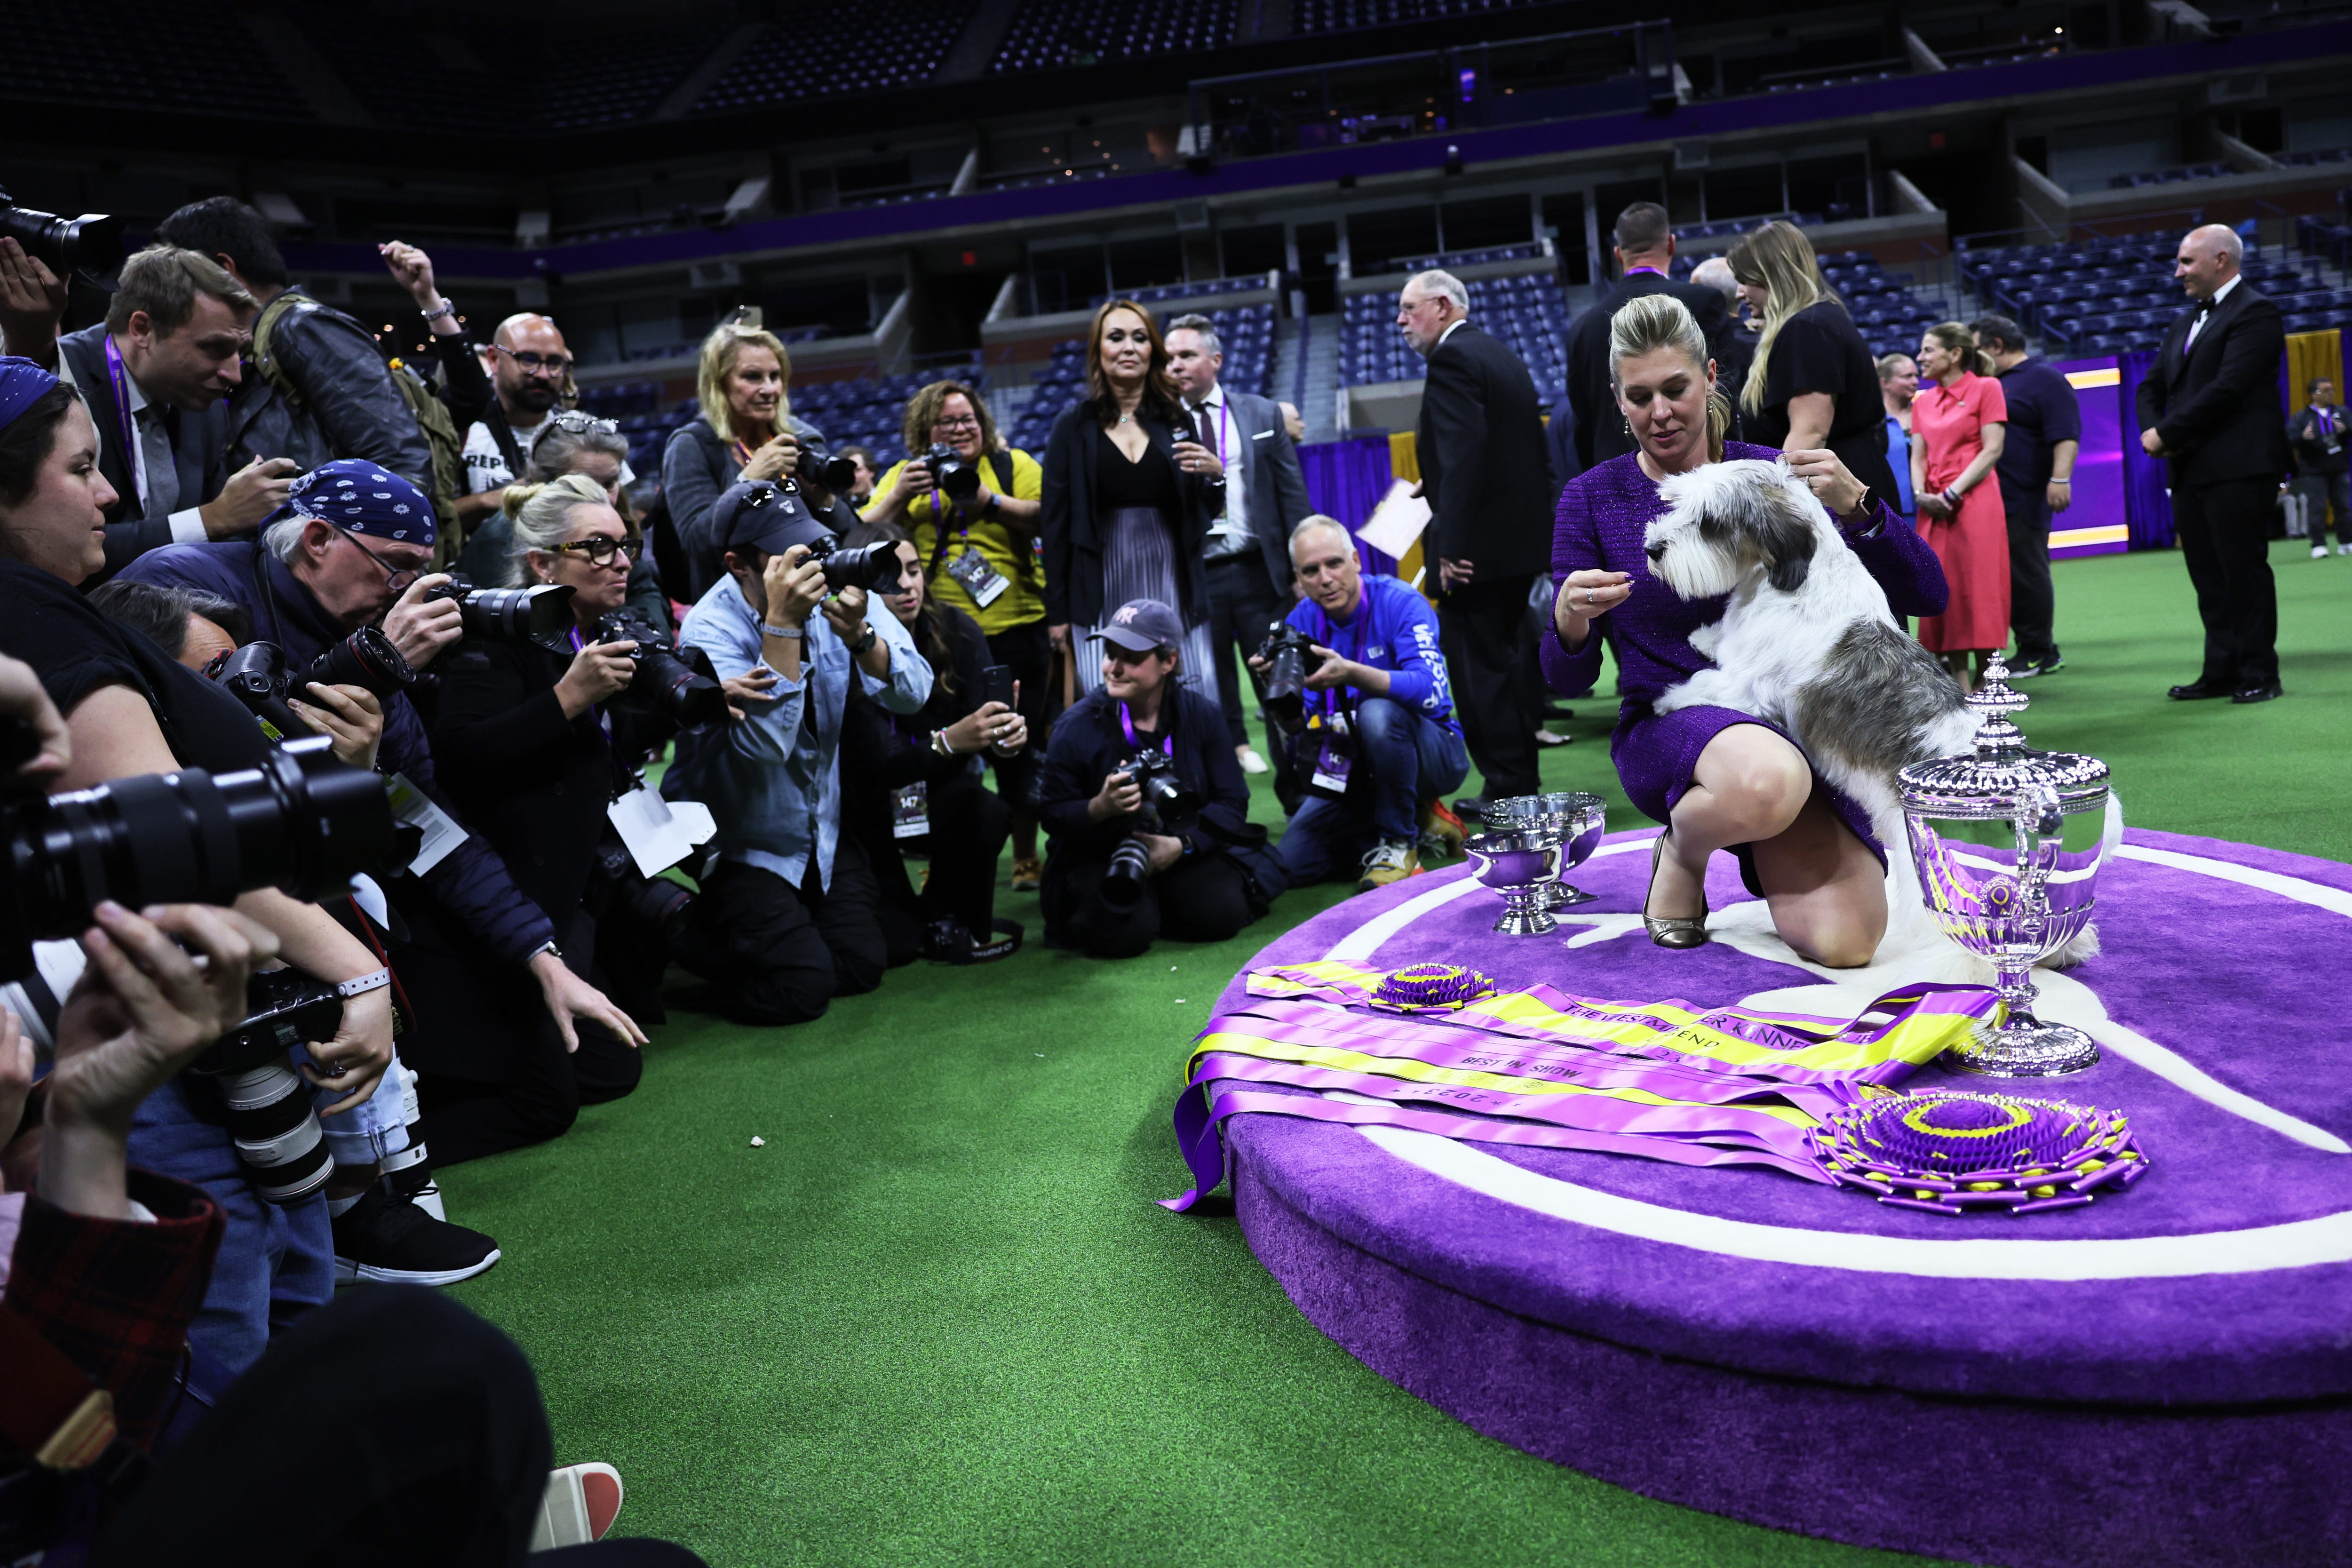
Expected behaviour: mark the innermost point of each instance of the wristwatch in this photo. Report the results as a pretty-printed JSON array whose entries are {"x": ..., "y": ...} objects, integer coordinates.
[
  {"x": 993, "y": 501},
  {"x": 859, "y": 648}
]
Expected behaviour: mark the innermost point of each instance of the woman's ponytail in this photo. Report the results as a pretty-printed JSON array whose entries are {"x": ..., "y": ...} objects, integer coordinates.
[{"x": 1718, "y": 424}]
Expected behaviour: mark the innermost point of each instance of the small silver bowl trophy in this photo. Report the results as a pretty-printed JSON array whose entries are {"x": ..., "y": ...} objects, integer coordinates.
[
  {"x": 2013, "y": 897},
  {"x": 1531, "y": 843}
]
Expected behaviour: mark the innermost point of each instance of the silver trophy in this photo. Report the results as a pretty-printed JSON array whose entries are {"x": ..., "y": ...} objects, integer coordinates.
[
  {"x": 1519, "y": 866},
  {"x": 1571, "y": 818},
  {"x": 1988, "y": 833}
]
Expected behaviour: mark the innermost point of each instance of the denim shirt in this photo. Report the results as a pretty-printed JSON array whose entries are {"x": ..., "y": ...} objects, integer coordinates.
[{"x": 773, "y": 781}]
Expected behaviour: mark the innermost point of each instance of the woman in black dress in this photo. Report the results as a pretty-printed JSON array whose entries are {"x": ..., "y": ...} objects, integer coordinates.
[
  {"x": 1129, "y": 495},
  {"x": 1813, "y": 383}
]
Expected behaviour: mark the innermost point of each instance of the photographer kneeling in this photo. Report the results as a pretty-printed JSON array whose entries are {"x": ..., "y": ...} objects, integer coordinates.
[
  {"x": 1380, "y": 745},
  {"x": 1144, "y": 801},
  {"x": 788, "y": 918}
]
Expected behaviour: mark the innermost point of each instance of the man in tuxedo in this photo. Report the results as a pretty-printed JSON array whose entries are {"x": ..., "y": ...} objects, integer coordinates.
[
  {"x": 2209, "y": 408},
  {"x": 1645, "y": 250},
  {"x": 155, "y": 376},
  {"x": 1249, "y": 548},
  {"x": 1483, "y": 472}
]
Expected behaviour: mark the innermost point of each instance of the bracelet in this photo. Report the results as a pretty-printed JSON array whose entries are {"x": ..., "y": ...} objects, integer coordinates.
[
  {"x": 2057, "y": 481},
  {"x": 785, "y": 634},
  {"x": 1951, "y": 497},
  {"x": 360, "y": 985},
  {"x": 447, "y": 308}
]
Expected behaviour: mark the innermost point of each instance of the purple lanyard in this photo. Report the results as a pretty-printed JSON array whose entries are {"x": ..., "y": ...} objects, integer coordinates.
[
  {"x": 1330, "y": 695},
  {"x": 602, "y": 722},
  {"x": 117, "y": 378},
  {"x": 1125, "y": 722}
]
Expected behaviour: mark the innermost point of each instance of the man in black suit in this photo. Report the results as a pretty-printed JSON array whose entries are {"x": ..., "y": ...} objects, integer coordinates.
[
  {"x": 1483, "y": 472},
  {"x": 154, "y": 375},
  {"x": 2209, "y": 408},
  {"x": 1645, "y": 250},
  {"x": 1249, "y": 547}
]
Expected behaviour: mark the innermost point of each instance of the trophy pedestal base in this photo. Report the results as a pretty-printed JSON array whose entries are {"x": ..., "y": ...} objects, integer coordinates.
[
  {"x": 1561, "y": 896},
  {"x": 1517, "y": 921},
  {"x": 2025, "y": 1047}
]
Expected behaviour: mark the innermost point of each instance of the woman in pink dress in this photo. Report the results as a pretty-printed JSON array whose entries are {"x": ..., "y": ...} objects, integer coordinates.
[{"x": 1957, "y": 421}]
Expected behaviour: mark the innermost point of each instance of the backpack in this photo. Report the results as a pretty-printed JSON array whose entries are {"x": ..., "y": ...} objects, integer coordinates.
[{"x": 304, "y": 441}]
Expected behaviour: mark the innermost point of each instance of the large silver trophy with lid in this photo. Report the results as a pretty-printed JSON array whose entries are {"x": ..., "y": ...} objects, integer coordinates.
[{"x": 1988, "y": 832}]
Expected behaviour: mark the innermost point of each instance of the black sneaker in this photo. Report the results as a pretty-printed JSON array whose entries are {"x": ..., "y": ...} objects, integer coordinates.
[
  {"x": 2049, "y": 666},
  {"x": 385, "y": 1241}
]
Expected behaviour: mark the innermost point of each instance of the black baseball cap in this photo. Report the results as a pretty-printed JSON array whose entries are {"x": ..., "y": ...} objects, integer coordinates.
[
  {"x": 1140, "y": 626},
  {"x": 761, "y": 514}
]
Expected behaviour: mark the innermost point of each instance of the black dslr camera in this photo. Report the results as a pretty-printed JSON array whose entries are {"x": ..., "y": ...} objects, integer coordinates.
[
  {"x": 957, "y": 480},
  {"x": 302, "y": 822},
  {"x": 822, "y": 469},
  {"x": 270, "y": 1120},
  {"x": 261, "y": 676},
  {"x": 91, "y": 245},
  {"x": 874, "y": 567},
  {"x": 672, "y": 682},
  {"x": 1291, "y": 658},
  {"x": 541, "y": 613},
  {"x": 1167, "y": 807}
]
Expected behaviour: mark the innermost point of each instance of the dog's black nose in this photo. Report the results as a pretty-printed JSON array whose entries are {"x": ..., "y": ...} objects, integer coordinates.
[{"x": 1655, "y": 552}]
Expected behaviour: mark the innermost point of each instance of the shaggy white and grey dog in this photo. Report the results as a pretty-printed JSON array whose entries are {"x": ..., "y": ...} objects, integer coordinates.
[{"x": 1808, "y": 642}]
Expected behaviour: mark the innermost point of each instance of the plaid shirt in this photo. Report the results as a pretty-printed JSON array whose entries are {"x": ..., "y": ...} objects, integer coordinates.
[{"x": 117, "y": 1296}]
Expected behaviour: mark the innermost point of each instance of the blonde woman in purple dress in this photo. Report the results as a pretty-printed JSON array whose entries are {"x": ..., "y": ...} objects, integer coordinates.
[{"x": 1719, "y": 779}]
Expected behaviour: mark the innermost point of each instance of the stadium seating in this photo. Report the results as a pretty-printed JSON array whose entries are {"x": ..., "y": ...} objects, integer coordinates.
[
  {"x": 1346, "y": 16},
  {"x": 2133, "y": 180},
  {"x": 1247, "y": 332},
  {"x": 1046, "y": 34},
  {"x": 1527, "y": 313},
  {"x": 2118, "y": 296},
  {"x": 196, "y": 58},
  {"x": 865, "y": 46}
]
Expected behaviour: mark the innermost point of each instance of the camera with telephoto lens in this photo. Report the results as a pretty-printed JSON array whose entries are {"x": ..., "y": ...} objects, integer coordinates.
[
  {"x": 874, "y": 567},
  {"x": 301, "y": 822},
  {"x": 91, "y": 245},
  {"x": 820, "y": 468},
  {"x": 261, "y": 676},
  {"x": 956, "y": 478},
  {"x": 541, "y": 613},
  {"x": 1291, "y": 658},
  {"x": 674, "y": 682},
  {"x": 271, "y": 1118},
  {"x": 1166, "y": 809}
]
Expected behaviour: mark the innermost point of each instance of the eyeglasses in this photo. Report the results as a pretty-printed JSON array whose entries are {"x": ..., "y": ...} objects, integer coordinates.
[
  {"x": 579, "y": 424},
  {"x": 396, "y": 578},
  {"x": 961, "y": 422},
  {"x": 599, "y": 551},
  {"x": 536, "y": 364}
]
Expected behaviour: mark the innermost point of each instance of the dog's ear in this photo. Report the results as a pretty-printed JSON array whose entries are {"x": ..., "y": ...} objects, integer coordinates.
[{"x": 1786, "y": 536}]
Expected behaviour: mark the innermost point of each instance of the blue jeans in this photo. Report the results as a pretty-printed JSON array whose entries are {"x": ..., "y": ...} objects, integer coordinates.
[
  {"x": 1400, "y": 760},
  {"x": 275, "y": 1264}
]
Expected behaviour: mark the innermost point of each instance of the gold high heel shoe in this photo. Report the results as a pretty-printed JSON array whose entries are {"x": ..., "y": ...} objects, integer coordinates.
[{"x": 1680, "y": 930}]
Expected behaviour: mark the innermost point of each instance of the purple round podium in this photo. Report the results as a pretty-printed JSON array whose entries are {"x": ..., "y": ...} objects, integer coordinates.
[{"x": 2162, "y": 1377}]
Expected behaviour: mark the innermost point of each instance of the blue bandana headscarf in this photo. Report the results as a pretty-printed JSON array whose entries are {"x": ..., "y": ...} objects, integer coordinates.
[
  {"x": 354, "y": 494},
  {"x": 22, "y": 383}
]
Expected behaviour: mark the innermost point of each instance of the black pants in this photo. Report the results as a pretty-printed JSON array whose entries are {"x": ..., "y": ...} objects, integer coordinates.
[
  {"x": 2032, "y": 604},
  {"x": 1204, "y": 899},
  {"x": 1480, "y": 627},
  {"x": 391, "y": 1428},
  {"x": 2317, "y": 492},
  {"x": 1029, "y": 652},
  {"x": 781, "y": 954},
  {"x": 969, "y": 827},
  {"x": 492, "y": 1072},
  {"x": 2224, "y": 530}
]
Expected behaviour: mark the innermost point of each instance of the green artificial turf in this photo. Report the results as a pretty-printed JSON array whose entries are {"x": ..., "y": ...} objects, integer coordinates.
[{"x": 936, "y": 1318}]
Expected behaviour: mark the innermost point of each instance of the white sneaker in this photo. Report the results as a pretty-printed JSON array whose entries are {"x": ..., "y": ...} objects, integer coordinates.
[
  {"x": 2344, "y": 550},
  {"x": 2319, "y": 551},
  {"x": 1250, "y": 761}
]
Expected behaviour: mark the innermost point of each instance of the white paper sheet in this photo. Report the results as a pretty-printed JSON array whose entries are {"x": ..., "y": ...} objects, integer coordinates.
[
  {"x": 661, "y": 832},
  {"x": 1397, "y": 521}
]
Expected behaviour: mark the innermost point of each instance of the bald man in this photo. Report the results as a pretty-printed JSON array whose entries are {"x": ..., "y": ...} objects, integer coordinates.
[
  {"x": 2209, "y": 408},
  {"x": 527, "y": 361}
]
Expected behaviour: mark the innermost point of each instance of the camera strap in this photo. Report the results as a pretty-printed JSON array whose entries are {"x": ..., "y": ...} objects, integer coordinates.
[{"x": 1127, "y": 723}]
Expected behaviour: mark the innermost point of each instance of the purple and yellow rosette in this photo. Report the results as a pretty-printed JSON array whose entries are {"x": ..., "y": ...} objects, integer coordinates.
[
  {"x": 1956, "y": 1151},
  {"x": 1431, "y": 988}
]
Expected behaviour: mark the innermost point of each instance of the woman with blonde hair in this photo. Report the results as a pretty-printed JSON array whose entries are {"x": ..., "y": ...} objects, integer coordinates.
[
  {"x": 1130, "y": 493},
  {"x": 1718, "y": 778},
  {"x": 1813, "y": 383},
  {"x": 1959, "y": 421},
  {"x": 745, "y": 431}
]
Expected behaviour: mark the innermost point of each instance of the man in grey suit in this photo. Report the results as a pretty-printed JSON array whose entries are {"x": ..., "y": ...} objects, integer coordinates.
[
  {"x": 1249, "y": 548},
  {"x": 155, "y": 376}
]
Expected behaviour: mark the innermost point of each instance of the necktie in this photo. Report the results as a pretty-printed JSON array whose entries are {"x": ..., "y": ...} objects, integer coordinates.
[{"x": 155, "y": 457}]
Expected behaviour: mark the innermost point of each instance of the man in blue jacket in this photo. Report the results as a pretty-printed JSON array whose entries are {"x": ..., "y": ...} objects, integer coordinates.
[{"x": 1382, "y": 743}]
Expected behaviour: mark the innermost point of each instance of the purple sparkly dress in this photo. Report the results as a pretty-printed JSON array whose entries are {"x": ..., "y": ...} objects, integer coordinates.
[{"x": 1603, "y": 515}]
